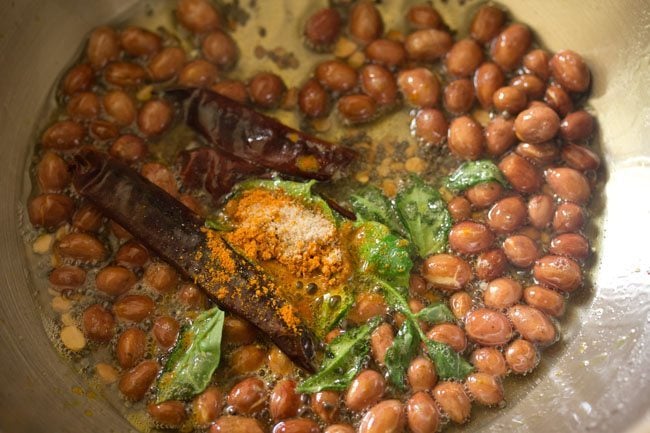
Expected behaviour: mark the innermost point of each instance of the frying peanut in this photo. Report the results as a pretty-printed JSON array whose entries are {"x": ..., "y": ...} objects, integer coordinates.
[
  {"x": 491, "y": 264},
  {"x": 236, "y": 424},
  {"x": 485, "y": 388},
  {"x": 365, "y": 390},
  {"x": 323, "y": 27},
  {"x": 124, "y": 74},
  {"x": 502, "y": 293},
  {"x": 507, "y": 215},
  {"x": 488, "y": 78},
  {"x": 460, "y": 304},
  {"x": 357, "y": 108},
  {"x": 325, "y": 404},
  {"x": 422, "y": 414},
  {"x": 423, "y": 16},
  {"x": 98, "y": 323},
  {"x": 248, "y": 396},
  {"x": 460, "y": 208},
  {"x": 384, "y": 417},
  {"x": 198, "y": 16},
  {"x": 115, "y": 280},
  {"x": 430, "y": 126},
  {"x": 463, "y": 58},
  {"x": 380, "y": 340},
  {"x": 52, "y": 173},
  {"x": 219, "y": 48},
  {"x": 572, "y": 245},
  {"x": 558, "y": 272},
  {"x": 532, "y": 324},
  {"x": 536, "y": 62},
  {"x": 522, "y": 175},
  {"x": 63, "y": 135},
  {"x": 378, "y": 83},
  {"x": 137, "y": 41},
  {"x": 568, "y": 217},
  {"x": 165, "y": 331},
  {"x": 421, "y": 374},
  {"x": 83, "y": 247},
  {"x": 520, "y": 250},
  {"x": 570, "y": 71},
  {"x": 446, "y": 272},
  {"x": 469, "y": 237},
  {"x": 542, "y": 154},
  {"x": 558, "y": 99},
  {"x": 166, "y": 64},
  {"x": 459, "y": 96},
  {"x": 428, "y": 45},
  {"x": 135, "y": 383},
  {"x": 365, "y": 23},
  {"x": 499, "y": 135},
  {"x": 466, "y": 138},
  {"x": 509, "y": 47},
  {"x": 386, "y": 52},
  {"x": 580, "y": 157},
  {"x": 130, "y": 347},
  {"x": 296, "y": 425},
  {"x": 537, "y": 124},
  {"x": 132, "y": 255},
  {"x": 50, "y": 210},
  {"x": 451, "y": 335},
  {"x": 67, "y": 276},
  {"x": 284, "y": 401},
  {"x": 103, "y": 47},
  {"x": 87, "y": 218},
  {"x": 169, "y": 413},
  {"x": 454, "y": 402},
  {"x": 489, "y": 360},
  {"x": 207, "y": 406},
  {"x": 135, "y": 308},
  {"x": 530, "y": 85},
  {"x": 484, "y": 194},
  {"x": 78, "y": 79},
  {"x": 419, "y": 86},
  {"x": 521, "y": 356},
  {"x": 161, "y": 277},
  {"x": 487, "y": 23},
  {"x": 546, "y": 300},
  {"x": 568, "y": 184},
  {"x": 488, "y": 327}
]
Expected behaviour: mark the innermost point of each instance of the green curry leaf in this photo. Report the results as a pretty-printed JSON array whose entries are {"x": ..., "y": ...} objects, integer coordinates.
[
  {"x": 437, "y": 313},
  {"x": 400, "y": 353},
  {"x": 370, "y": 204},
  {"x": 471, "y": 173},
  {"x": 425, "y": 216},
  {"x": 344, "y": 358},
  {"x": 193, "y": 359}
]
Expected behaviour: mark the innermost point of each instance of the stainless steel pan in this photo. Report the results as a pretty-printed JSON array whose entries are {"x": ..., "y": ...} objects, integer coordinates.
[{"x": 597, "y": 379}]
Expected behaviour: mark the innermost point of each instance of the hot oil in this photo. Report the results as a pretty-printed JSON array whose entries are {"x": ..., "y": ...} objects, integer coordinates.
[{"x": 259, "y": 28}]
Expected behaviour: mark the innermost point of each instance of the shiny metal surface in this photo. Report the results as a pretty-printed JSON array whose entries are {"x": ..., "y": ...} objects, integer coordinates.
[{"x": 595, "y": 380}]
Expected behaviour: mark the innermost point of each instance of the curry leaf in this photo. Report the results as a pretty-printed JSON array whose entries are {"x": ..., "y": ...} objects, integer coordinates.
[
  {"x": 471, "y": 173},
  {"x": 400, "y": 353},
  {"x": 370, "y": 204},
  {"x": 449, "y": 364},
  {"x": 425, "y": 216},
  {"x": 331, "y": 308},
  {"x": 344, "y": 358},
  {"x": 382, "y": 253},
  {"x": 193, "y": 359},
  {"x": 437, "y": 313}
]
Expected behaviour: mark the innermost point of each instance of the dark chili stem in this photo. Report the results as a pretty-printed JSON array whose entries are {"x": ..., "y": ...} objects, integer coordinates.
[
  {"x": 173, "y": 231},
  {"x": 239, "y": 131}
]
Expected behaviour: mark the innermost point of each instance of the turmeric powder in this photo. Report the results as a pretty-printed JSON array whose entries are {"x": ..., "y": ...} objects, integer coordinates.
[{"x": 270, "y": 225}]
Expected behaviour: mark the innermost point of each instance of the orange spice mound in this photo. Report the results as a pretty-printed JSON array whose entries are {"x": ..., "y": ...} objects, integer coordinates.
[
  {"x": 220, "y": 270},
  {"x": 273, "y": 226}
]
